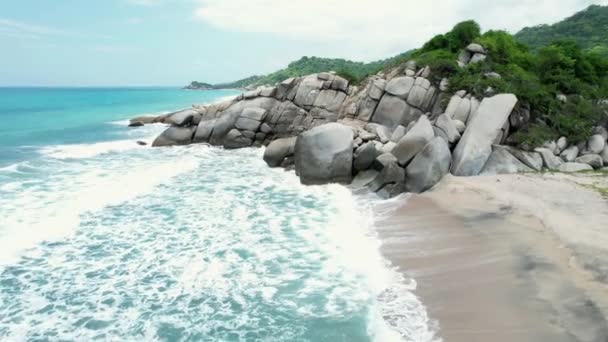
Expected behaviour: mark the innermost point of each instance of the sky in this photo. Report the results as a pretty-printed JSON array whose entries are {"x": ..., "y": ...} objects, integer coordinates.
[{"x": 173, "y": 42}]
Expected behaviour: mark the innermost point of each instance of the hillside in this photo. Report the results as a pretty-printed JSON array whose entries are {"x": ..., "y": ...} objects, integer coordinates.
[
  {"x": 589, "y": 28},
  {"x": 354, "y": 71}
]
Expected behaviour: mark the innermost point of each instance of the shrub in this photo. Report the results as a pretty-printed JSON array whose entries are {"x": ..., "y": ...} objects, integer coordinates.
[
  {"x": 463, "y": 34},
  {"x": 535, "y": 135},
  {"x": 442, "y": 62},
  {"x": 349, "y": 76},
  {"x": 575, "y": 119}
]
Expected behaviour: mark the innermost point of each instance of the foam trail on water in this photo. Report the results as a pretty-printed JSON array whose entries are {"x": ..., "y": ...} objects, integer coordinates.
[
  {"x": 88, "y": 150},
  {"x": 195, "y": 243},
  {"x": 36, "y": 210}
]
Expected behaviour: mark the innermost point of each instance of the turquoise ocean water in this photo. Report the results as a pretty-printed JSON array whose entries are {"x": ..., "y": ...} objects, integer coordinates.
[{"x": 103, "y": 239}]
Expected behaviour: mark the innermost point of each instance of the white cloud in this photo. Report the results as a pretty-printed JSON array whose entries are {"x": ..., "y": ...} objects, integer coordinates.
[
  {"x": 14, "y": 28},
  {"x": 370, "y": 29}
]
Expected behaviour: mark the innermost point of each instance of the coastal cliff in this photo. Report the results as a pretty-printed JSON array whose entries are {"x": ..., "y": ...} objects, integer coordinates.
[{"x": 398, "y": 131}]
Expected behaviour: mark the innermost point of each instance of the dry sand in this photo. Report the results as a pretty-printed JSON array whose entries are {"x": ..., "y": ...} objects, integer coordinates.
[{"x": 506, "y": 258}]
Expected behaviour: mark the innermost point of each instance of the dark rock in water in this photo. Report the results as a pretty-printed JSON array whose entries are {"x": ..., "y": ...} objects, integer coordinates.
[
  {"x": 325, "y": 154},
  {"x": 278, "y": 150},
  {"x": 141, "y": 143},
  {"x": 136, "y": 124},
  {"x": 147, "y": 119}
]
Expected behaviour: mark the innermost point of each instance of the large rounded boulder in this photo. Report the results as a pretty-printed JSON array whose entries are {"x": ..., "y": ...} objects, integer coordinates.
[
  {"x": 324, "y": 154},
  {"x": 175, "y": 136},
  {"x": 278, "y": 150},
  {"x": 429, "y": 166},
  {"x": 414, "y": 140}
]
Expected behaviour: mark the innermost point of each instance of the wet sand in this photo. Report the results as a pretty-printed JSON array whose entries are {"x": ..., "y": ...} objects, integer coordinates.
[{"x": 490, "y": 267}]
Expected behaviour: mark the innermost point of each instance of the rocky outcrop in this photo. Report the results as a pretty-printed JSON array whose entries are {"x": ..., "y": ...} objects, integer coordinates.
[
  {"x": 550, "y": 161},
  {"x": 397, "y": 131},
  {"x": 574, "y": 167},
  {"x": 413, "y": 141},
  {"x": 278, "y": 150},
  {"x": 501, "y": 161},
  {"x": 183, "y": 118},
  {"x": 593, "y": 160},
  {"x": 429, "y": 166},
  {"x": 475, "y": 146},
  {"x": 175, "y": 136},
  {"x": 325, "y": 154}
]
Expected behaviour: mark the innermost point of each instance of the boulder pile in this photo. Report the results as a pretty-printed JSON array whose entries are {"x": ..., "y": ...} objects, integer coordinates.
[{"x": 397, "y": 131}]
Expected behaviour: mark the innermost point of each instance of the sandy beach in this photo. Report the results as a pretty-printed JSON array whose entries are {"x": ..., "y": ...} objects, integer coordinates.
[{"x": 506, "y": 258}]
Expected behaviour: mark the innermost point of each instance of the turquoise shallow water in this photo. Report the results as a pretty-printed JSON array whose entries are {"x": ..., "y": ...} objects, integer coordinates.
[{"x": 103, "y": 239}]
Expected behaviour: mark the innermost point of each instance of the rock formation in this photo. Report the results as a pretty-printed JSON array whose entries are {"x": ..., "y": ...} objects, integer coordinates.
[{"x": 391, "y": 133}]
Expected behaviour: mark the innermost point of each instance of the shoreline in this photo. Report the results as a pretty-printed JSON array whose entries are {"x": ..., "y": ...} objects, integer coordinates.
[{"x": 490, "y": 266}]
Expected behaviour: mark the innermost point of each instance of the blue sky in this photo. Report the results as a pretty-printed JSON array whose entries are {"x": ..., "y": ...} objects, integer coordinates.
[{"x": 171, "y": 42}]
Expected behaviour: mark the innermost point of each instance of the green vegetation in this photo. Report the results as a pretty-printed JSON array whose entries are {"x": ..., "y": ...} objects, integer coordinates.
[
  {"x": 238, "y": 84},
  {"x": 310, "y": 65},
  {"x": 461, "y": 35},
  {"x": 603, "y": 191},
  {"x": 199, "y": 85},
  {"x": 588, "y": 28},
  {"x": 540, "y": 65},
  {"x": 353, "y": 71},
  {"x": 537, "y": 77}
]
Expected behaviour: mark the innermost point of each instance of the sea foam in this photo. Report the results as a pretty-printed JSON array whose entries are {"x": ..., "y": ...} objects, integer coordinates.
[{"x": 195, "y": 243}]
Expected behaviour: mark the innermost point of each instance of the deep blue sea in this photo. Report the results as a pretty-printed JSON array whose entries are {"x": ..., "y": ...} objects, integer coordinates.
[{"x": 103, "y": 239}]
